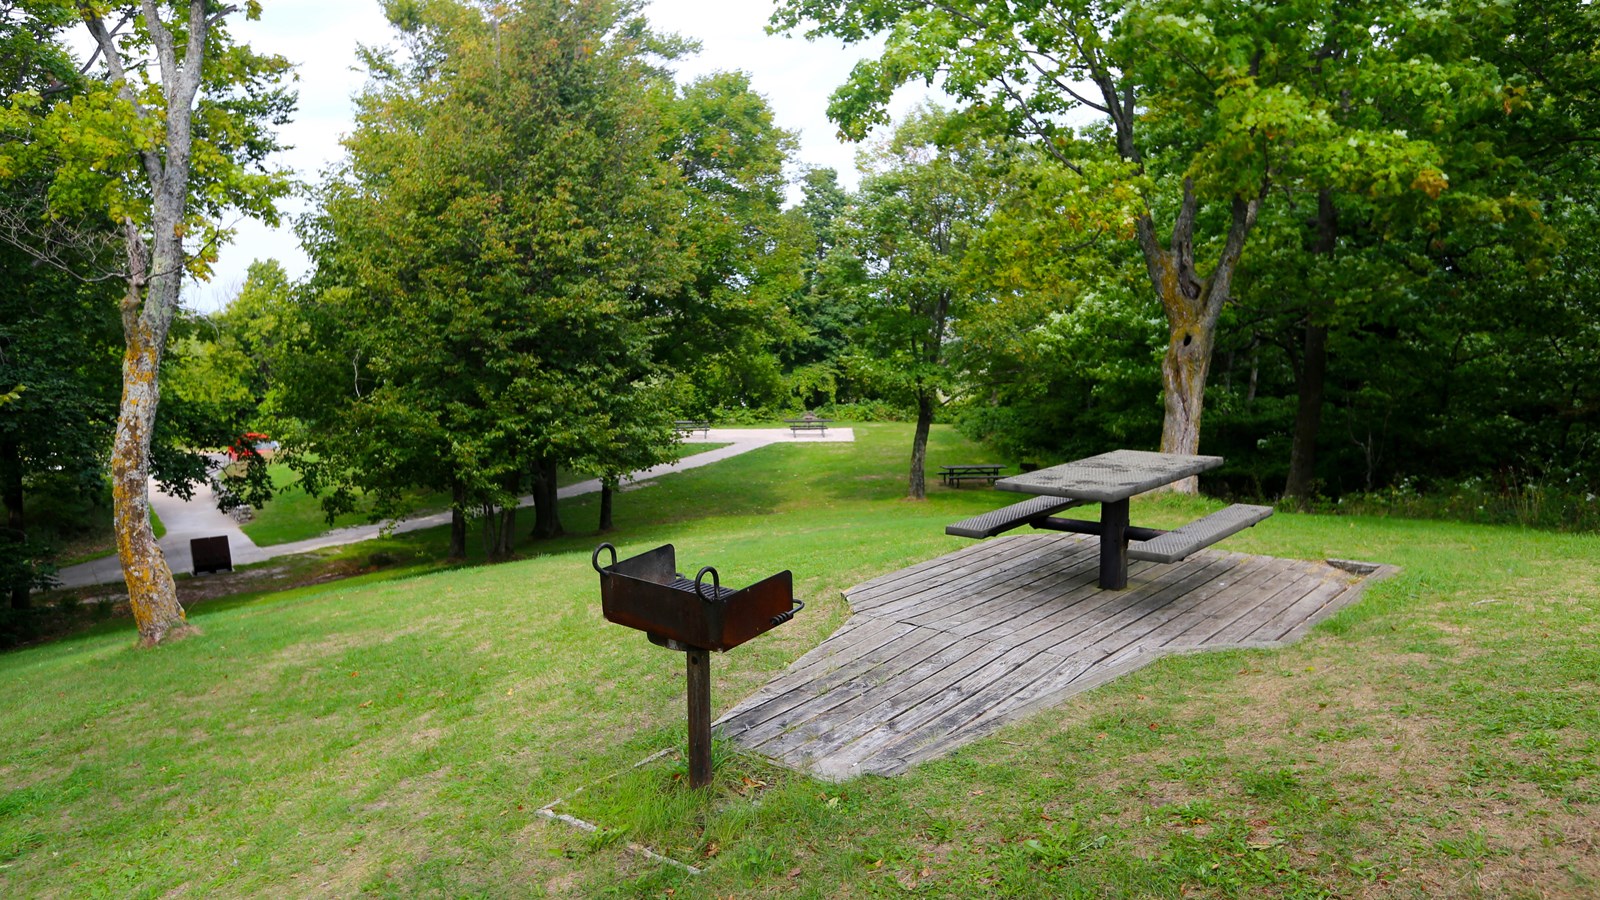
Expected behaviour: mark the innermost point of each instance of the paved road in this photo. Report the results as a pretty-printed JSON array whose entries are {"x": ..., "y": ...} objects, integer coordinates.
[{"x": 199, "y": 517}]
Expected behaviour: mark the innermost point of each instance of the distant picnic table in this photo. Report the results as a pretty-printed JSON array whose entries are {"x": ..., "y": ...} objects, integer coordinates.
[
  {"x": 807, "y": 422},
  {"x": 952, "y": 476},
  {"x": 1110, "y": 479}
]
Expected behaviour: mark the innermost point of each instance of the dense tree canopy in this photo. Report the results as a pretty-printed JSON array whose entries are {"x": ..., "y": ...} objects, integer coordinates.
[{"x": 486, "y": 259}]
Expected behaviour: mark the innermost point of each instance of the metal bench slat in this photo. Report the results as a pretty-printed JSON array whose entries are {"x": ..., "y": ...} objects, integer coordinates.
[
  {"x": 1180, "y": 542},
  {"x": 1008, "y": 517}
]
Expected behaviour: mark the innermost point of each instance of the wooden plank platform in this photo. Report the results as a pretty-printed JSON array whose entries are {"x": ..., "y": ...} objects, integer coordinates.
[{"x": 948, "y": 650}]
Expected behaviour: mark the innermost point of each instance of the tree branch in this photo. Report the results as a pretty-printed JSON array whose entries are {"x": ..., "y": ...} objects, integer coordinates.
[
  {"x": 162, "y": 39},
  {"x": 84, "y": 69}
]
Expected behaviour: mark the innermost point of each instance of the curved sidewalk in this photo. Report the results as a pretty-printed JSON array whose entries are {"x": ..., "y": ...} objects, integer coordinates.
[{"x": 199, "y": 517}]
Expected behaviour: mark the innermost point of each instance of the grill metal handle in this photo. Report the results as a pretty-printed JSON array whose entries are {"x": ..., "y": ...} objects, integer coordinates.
[
  {"x": 595, "y": 559},
  {"x": 716, "y": 585},
  {"x": 783, "y": 617}
]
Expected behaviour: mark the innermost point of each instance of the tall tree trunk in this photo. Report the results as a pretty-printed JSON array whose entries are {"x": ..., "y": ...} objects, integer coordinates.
[
  {"x": 458, "y": 522},
  {"x": 919, "y": 445},
  {"x": 151, "y": 593},
  {"x": 1313, "y": 369},
  {"x": 11, "y": 496},
  {"x": 607, "y": 489},
  {"x": 546, "y": 518},
  {"x": 508, "y": 532},
  {"x": 499, "y": 525}
]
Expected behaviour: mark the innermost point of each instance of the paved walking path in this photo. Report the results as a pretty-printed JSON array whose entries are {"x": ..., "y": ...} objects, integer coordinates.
[{"x": 199, "y": 517}]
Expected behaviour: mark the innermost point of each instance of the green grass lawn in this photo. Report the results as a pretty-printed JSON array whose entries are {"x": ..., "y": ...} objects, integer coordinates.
[
  {"x": 395, "y": 737},
  {"x": 294, "y": 515}
]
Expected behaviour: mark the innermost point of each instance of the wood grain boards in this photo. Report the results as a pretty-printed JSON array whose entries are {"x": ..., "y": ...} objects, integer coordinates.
[{"x": 943, "y": 652}]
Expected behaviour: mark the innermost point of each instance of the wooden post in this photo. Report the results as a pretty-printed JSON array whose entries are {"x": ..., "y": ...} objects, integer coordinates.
[
  {"x": 1114, "y": 545},
  {"x": 699, "y": 717}
]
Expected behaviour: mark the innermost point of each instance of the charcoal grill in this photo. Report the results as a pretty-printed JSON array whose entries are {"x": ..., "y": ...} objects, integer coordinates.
[{"x": 693, "y": 616}]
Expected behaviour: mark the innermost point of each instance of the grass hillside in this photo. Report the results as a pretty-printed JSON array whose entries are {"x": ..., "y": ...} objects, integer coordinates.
[{"x": 396, "y": 737}]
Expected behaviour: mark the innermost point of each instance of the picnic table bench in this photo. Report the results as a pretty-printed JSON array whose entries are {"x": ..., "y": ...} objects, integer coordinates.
[
  {"x": 808, "y": 422},
  {"x": 1110, "y": 479},
  {"x": 954, "y": 475},
  {"x": 690, "y": 426}
]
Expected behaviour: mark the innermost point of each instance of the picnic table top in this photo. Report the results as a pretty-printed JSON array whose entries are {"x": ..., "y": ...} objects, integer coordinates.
[
  {"x": 1109, "y": 477},
  {"x": 970, "y": 467}
]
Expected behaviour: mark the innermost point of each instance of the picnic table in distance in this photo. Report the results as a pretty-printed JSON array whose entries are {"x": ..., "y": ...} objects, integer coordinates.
[
  {"x": 807, "y": 422},
  {"x": 952, "y": 476}
]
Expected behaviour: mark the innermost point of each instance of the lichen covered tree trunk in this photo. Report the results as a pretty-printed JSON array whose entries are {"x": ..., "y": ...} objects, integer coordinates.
[
  {"x": 1184, "y": 370},
  {"x": 1193, "y": 305},
  {"x": 151, "y": 593}
]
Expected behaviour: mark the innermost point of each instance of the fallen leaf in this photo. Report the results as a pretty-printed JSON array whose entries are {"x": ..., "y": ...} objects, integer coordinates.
[
  {"x": 366, "y": 704},
  {"x": 795, "y": 872}
]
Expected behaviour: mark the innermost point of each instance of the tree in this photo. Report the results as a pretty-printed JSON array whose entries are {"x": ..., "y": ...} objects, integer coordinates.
[
  {"x": 725, "y": 327},
  {"x": 485, "y": 261},
  {"x": 58, "y": 341},
  {"x": 174, "y": 135},
  {"x": 1200, "y": 105},
  {"x": 919, "y": 205},
  {"x": 56, "y": 331},
  {"x": 820, "y": 305}
]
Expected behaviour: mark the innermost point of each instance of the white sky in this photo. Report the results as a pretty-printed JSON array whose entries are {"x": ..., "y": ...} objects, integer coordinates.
[{"x": 320, "y": 37}]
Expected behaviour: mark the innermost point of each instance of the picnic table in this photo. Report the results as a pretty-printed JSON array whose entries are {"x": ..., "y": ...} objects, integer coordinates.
[
  {"x": 1110, "y": 479},
  {"x": 954, "y": 475}
]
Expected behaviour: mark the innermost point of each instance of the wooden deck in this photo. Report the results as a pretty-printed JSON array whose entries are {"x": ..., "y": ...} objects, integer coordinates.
[{"x": 946, "y": 651}]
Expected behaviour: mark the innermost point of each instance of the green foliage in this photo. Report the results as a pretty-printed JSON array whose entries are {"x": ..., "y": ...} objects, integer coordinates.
[
  {"x": 725, "y": 326},
  {"x": 487, "y": 258},
  {"x": 97, "y": 140}
]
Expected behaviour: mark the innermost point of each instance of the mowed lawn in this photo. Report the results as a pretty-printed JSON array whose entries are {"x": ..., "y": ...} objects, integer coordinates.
[{"x": 1440, "y": 737}]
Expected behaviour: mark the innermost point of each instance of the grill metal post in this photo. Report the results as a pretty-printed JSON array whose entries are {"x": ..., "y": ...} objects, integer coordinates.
[{"x": 699, "y": 672}]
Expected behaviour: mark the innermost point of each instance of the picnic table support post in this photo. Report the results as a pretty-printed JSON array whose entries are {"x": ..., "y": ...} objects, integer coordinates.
[
  {"x": 699, "y": 717},
  {"x": 1114, "y": 545}
]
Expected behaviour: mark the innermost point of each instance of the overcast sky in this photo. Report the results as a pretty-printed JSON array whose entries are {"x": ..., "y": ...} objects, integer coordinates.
[{"x": 320, "y": 37}]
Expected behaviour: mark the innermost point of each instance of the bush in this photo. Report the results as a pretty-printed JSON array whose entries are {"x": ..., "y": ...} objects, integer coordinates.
[{"x": 1530, "y": 504}]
